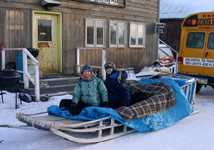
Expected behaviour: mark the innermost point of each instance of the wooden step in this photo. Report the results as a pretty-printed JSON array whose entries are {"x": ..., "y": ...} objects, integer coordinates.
[{"x": 53, "y": 87}]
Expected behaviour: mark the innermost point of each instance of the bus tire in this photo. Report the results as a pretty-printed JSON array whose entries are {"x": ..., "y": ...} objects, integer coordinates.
[{"x": 198, "y": 87}]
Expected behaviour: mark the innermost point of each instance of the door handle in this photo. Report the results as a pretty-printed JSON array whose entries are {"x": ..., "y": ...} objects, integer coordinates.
[{"x": 206, "y": 54}]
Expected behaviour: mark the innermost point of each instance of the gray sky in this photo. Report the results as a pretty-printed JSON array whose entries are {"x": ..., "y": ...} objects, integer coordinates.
[
  {"x": 182, "y": 8},
  {"x": 198, "y": 4}
]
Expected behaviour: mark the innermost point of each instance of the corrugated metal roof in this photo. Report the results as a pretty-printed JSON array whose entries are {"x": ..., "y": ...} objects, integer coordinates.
[{"x": 183, "y": 8}]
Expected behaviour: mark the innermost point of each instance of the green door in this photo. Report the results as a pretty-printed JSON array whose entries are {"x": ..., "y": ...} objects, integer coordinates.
[{"x": 47, "y": 38}]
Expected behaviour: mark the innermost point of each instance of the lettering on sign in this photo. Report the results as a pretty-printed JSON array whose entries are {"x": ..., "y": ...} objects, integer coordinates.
[
  {"x": 199, "y": 62},
  {"x": 107, "y": 2}
]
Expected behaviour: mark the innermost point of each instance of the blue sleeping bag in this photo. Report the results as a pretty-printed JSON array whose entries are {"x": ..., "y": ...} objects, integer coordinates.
[{"x": 153, "y": 122}]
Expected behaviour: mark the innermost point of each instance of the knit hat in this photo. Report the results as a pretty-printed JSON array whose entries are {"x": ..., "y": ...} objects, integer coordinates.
[
  {"x": 87, "y": 68},
  {"x": 110, "y": 65}
]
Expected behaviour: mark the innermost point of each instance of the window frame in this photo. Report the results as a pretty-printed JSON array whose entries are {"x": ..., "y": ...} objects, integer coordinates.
[
  {"x": 95, "y": 20},
  {"x": 110, "y": 2},
  {"x": 50, "y": 32},
  {"x": 208, "y": 41},
  {"x": 188, "y": 39},
  {"x": 117, "y": 45},
  {"x": 137, "y": 37}
]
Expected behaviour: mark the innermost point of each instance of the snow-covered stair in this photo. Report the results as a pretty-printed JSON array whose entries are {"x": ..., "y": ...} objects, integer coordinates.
[{"x": 53, "y": 86}]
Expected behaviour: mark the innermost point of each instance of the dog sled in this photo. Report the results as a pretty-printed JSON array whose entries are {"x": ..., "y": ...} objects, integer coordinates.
[
  {"x": 101, "y": 129},
  {"x": 77, "y": 131}
]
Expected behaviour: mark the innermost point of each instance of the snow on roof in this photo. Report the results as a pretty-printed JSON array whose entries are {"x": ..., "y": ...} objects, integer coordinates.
[{"x": 183, "y": 8}]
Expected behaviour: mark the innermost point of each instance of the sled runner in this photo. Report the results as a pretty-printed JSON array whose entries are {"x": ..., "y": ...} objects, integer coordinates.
[
  {"x": 110, "y": 127},
  {"x": 77, "y": 131}
]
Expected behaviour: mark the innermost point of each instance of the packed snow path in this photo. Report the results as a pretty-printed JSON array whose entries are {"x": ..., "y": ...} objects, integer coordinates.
[{"x": 193, "y": 133}]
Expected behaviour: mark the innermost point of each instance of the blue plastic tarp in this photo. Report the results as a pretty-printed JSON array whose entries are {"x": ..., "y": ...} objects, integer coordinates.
[{"x": 153, "y": 122}]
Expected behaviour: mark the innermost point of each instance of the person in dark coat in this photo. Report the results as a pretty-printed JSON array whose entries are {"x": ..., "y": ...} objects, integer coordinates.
[{"x": 118, "y": 90}]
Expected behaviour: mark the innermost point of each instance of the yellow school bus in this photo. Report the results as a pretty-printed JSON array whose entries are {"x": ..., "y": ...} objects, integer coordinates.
[{"x": 196, "y": 54}]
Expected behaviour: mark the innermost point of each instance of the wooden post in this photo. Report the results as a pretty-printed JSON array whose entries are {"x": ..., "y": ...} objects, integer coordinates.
[
  {"x": 103, "y": 63},
  {"x": 194, "y": 91},
  {"x": 25, "y": 70},
  {"x": 176, "y": 64},
  {"x": 2, "y": 59},
  {"x": 37, "y": 87},
  {"x": 78, "y": 60}
]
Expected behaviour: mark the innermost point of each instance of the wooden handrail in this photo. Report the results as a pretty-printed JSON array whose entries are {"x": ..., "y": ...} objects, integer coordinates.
[
  {"x": 26, "y": 75},
  {"x": 103, "y": 59}
]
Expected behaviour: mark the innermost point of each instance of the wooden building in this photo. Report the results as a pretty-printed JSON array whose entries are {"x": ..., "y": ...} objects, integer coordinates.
[
  {"x": 172, "y": 32},
  {"x": 124, "y": 28}
]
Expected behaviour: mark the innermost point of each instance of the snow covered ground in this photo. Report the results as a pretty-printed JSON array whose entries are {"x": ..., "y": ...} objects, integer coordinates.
[{"x": 193, "y": 133}]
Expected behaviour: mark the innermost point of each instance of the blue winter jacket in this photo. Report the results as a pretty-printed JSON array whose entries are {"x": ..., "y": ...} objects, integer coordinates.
[
  {"x": 92, "y": 92},
  {"x": 118, "y": 91}
]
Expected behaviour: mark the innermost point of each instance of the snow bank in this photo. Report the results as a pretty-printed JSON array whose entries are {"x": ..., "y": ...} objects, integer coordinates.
[{"x": 193, "y": 133}]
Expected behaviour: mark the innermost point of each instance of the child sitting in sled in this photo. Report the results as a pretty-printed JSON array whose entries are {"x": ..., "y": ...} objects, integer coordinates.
[
  {"x": 119, "y": 93},
  {"x": 89, "y": 91}
]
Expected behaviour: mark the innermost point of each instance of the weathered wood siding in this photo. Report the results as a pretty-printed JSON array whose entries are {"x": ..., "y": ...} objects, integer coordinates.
[
  {"x": 172, "y": 32},
  {"x": 2, "y": 25},
  {"x": 91, "y": 56},
  {"x": 15, "y": 29},
  {"x": 127, "y": 57},
  {"x": 73, "y": 37},
  {"x": 145, "y": 11},
  {"x": 74, "y": 14}
]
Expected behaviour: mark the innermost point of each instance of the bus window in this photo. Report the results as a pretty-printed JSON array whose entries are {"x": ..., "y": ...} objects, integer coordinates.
[
  {"x": 195, "y": 40},
  {"x": 211, "y": 41}
]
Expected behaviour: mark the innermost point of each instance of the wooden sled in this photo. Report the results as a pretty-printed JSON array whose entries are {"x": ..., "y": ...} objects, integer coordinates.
[
  {"x": 88, "y": 131},
  {"x": 77, "y": 131}
]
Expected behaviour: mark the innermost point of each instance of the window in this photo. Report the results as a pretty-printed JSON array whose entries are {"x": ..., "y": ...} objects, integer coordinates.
[
  {"x": 113, "y": 2},
  {"x": 44, "y": 30},
  {"x": 90, "y": 32},
  {"x": 195, "y": 40},
  {"x": 137, "y": 35},
  {"x": 118, "y": 32},
  {"x": 95, "y": 33},
  {"x": 211, "y": 41},
  {"x": 100, "y": 32}
]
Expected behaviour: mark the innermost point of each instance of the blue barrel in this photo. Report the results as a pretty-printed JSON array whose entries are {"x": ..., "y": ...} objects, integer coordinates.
[{"x": 19, "y": 62}]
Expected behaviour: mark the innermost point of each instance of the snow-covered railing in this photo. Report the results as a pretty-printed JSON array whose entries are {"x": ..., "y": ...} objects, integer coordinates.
[
  {"x": 27, "y": 77},
  {"x": 97, "y": 58},
  {"x": 103, "y": 61}
]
